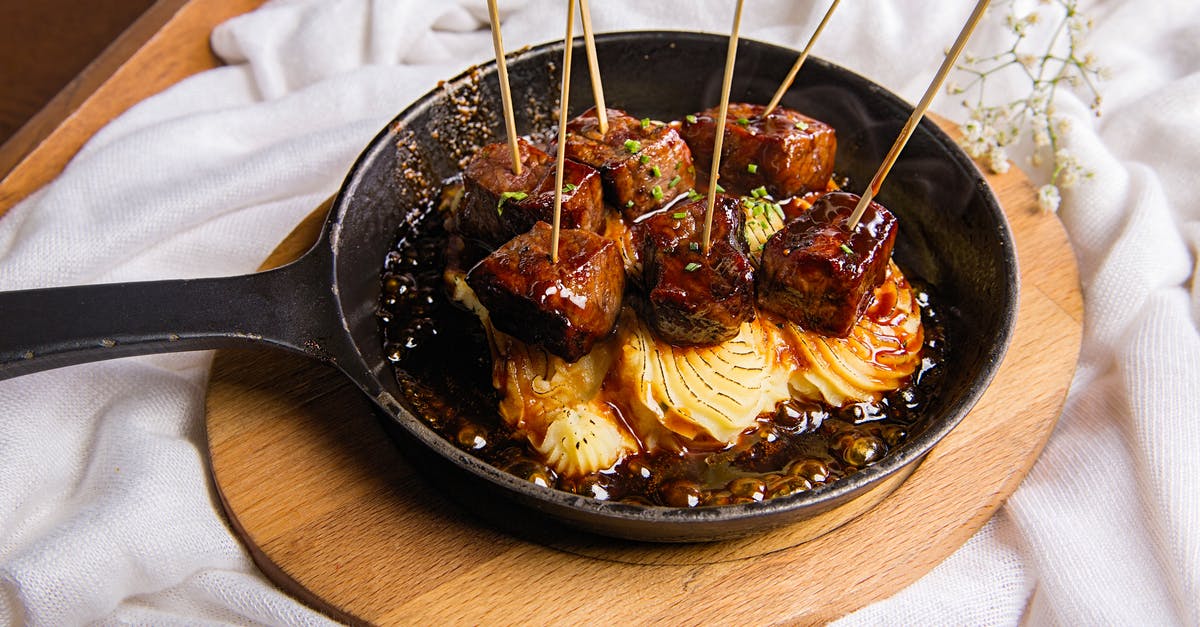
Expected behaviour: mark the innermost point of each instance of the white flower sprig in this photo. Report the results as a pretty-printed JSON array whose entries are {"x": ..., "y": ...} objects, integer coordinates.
[{"x": 991, "y": 129}]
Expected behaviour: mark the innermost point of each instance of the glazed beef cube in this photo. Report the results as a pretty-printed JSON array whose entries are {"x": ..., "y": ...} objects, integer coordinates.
[
  {"x": 644, "y": 164},
  {"x": 489, "y": 186},
  {"x": 787, "y": 152},
  {"x": 564, "y": 307},
  {"x": 818, "y": 274},
  {"x": 693, "y": 299},
  {"x": 582, "y": 202}
]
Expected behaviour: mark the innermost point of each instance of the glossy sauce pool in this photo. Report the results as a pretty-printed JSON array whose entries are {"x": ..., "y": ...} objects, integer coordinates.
[{"x": 442, "y": 362}]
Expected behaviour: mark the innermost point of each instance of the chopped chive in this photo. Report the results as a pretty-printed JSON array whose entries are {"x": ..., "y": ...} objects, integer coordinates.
[
  {"x": 759, "y": 192},
  {"x": 656, "y": 171},
  {"x": 691, "y": 119},
  {"x": 657, "y": 193},
  {"x": 846, "y": 249},
  {"x": 756, "y": 209},
  {"x": 629, "y": 203},
  {"x": 674, "y": 181},
  {"x": 504, "y": 197},
  {"x": 645, "y": 122},
  {"x": 634, "y": 146},
  {"x": 644, "y": 159},
  {"x": 693, "y": 246},
  {"x": 777, "y": 210},
  {"x": 569, "y": 187},
  {"x": 679, "y": 215},
  {"x": 693, "y": 194},
  {"x": 752, "y": 168},
  {"x": 743, "y": 121},
  {"x": 802, "y": 126},
  {"x": 691, "y": 267},
  {"x": 720, "y": 190}
]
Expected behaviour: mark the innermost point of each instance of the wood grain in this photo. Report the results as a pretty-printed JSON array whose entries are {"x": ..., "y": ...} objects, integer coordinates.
[
  {"x": 168, "y": 43},
  {"x": 332, "y": 513}
]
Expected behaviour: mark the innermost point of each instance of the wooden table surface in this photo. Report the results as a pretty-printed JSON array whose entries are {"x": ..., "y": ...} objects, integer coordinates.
[{"x": 165, "y": 44}]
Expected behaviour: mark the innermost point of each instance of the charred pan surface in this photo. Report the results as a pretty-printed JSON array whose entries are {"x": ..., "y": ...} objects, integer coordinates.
[
  {"x": 818, "y": 274},
  {"x": 564, "y": 307},
  {"x": 644, "y": 164},
  {"x": 787, "y": 152},
  {"x": 694, "y": 299}
]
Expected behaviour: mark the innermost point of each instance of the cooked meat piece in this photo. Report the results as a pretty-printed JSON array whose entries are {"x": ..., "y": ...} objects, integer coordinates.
[
  {"x": 787, "y": 152},
  {"x": 693, "y": 299},
  {"x": 489, "y": 185},
  {"x": 644, "y": 164},
  {"x": 582, "y": 202},
  {"x": 498, "y": 204},
  {"x": 564, "y": 307},
  {"x": 818, "y": 274}
]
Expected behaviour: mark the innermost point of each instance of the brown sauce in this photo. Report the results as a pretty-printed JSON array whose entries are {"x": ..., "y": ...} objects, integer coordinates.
[{"x": 443, "y": 365}]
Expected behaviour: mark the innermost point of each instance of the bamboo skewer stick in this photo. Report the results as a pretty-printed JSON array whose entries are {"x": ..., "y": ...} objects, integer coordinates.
[
  {"x": 568, "y": 43},
  {"x": 585, "y": 15},
  {"x": 918, "y": 113},
  {"x": 723, "y": 110},
  {"x": 510, "y": 124},
  {"x": 791, "y": 76}
]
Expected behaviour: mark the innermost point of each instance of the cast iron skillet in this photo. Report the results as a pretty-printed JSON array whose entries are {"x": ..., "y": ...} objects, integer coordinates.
[{"x": 953, "y": 235}]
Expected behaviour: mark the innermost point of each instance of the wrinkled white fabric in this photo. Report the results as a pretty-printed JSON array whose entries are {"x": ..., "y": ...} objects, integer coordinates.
[{"x": 106, "y": 514}]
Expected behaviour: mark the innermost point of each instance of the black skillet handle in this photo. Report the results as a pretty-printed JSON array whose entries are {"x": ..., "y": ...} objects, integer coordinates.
[{"x": 50, "y": 328}]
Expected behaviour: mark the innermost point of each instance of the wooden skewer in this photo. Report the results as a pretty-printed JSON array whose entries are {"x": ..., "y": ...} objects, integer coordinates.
[
  {"x": 722, "y": 111},
  {"x": 917, "y": 113},
  {"x": 568, "y": 43},
  {"x": 791, "y": 76},
  {"x": 510, "y": 124},
  {"x": 585, "y": 15}
]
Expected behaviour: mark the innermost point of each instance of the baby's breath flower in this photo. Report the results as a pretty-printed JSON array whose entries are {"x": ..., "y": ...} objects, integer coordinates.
[
  {"x": 998, "y": 160},
  {"x": 1048, "y": 50},
  {"x": 1048, "y": 198}
]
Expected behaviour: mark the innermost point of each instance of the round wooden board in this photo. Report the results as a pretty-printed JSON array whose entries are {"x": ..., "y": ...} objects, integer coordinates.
[{"x": 333, "y": 514}]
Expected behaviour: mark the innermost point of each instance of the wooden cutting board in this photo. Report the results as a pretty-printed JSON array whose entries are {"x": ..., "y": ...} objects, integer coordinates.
[{"x": 333, "y": 514}]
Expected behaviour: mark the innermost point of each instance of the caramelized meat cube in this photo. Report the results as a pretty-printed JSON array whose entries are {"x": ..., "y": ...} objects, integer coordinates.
[
  {"x": 818, "y": 274},
  {"x": 787, "y": 152},
  {"x": 498, "y": 204},
  {"x": 693, "y": 299},
  {"x": 644, "y": 164},
  {"x": 582, "y": 202},
  {"x": 565, "y": 307},
  {"x": 489, "y": 185}
]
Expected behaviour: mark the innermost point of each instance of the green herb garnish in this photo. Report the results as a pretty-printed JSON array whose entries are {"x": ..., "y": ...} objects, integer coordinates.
[
  {"x": 743, "y": 121},
  {"x": 679, "y": 215},
  {"x": 693, "y": 246},
  {"x": 752, "y": 168},
  {"x": 645, "y": 122},
  {"x": 674, "y": 181},
  {"x": 655, "y": 171},
  {"x": 634, "y": 146},
  {"x": 691, "y": 267},
  {"x": 505, "y": 197},
  {"x": 846, "y": 249},
  {"x": 759, "y": 192},
  {"x": 693, "y": 195},
  {"x": 629, "y": 203},
  {"x": 690, "y": 118},
  {"x": 657, "y": 193},
  {"x": 644, "y": 159}
]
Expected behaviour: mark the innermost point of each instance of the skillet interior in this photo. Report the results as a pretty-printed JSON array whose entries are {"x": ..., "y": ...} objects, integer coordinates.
[{"x": 953, "y": 236}]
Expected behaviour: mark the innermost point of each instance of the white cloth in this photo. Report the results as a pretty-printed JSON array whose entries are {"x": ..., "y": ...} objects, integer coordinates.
[{"x": 105, "y": 511}]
